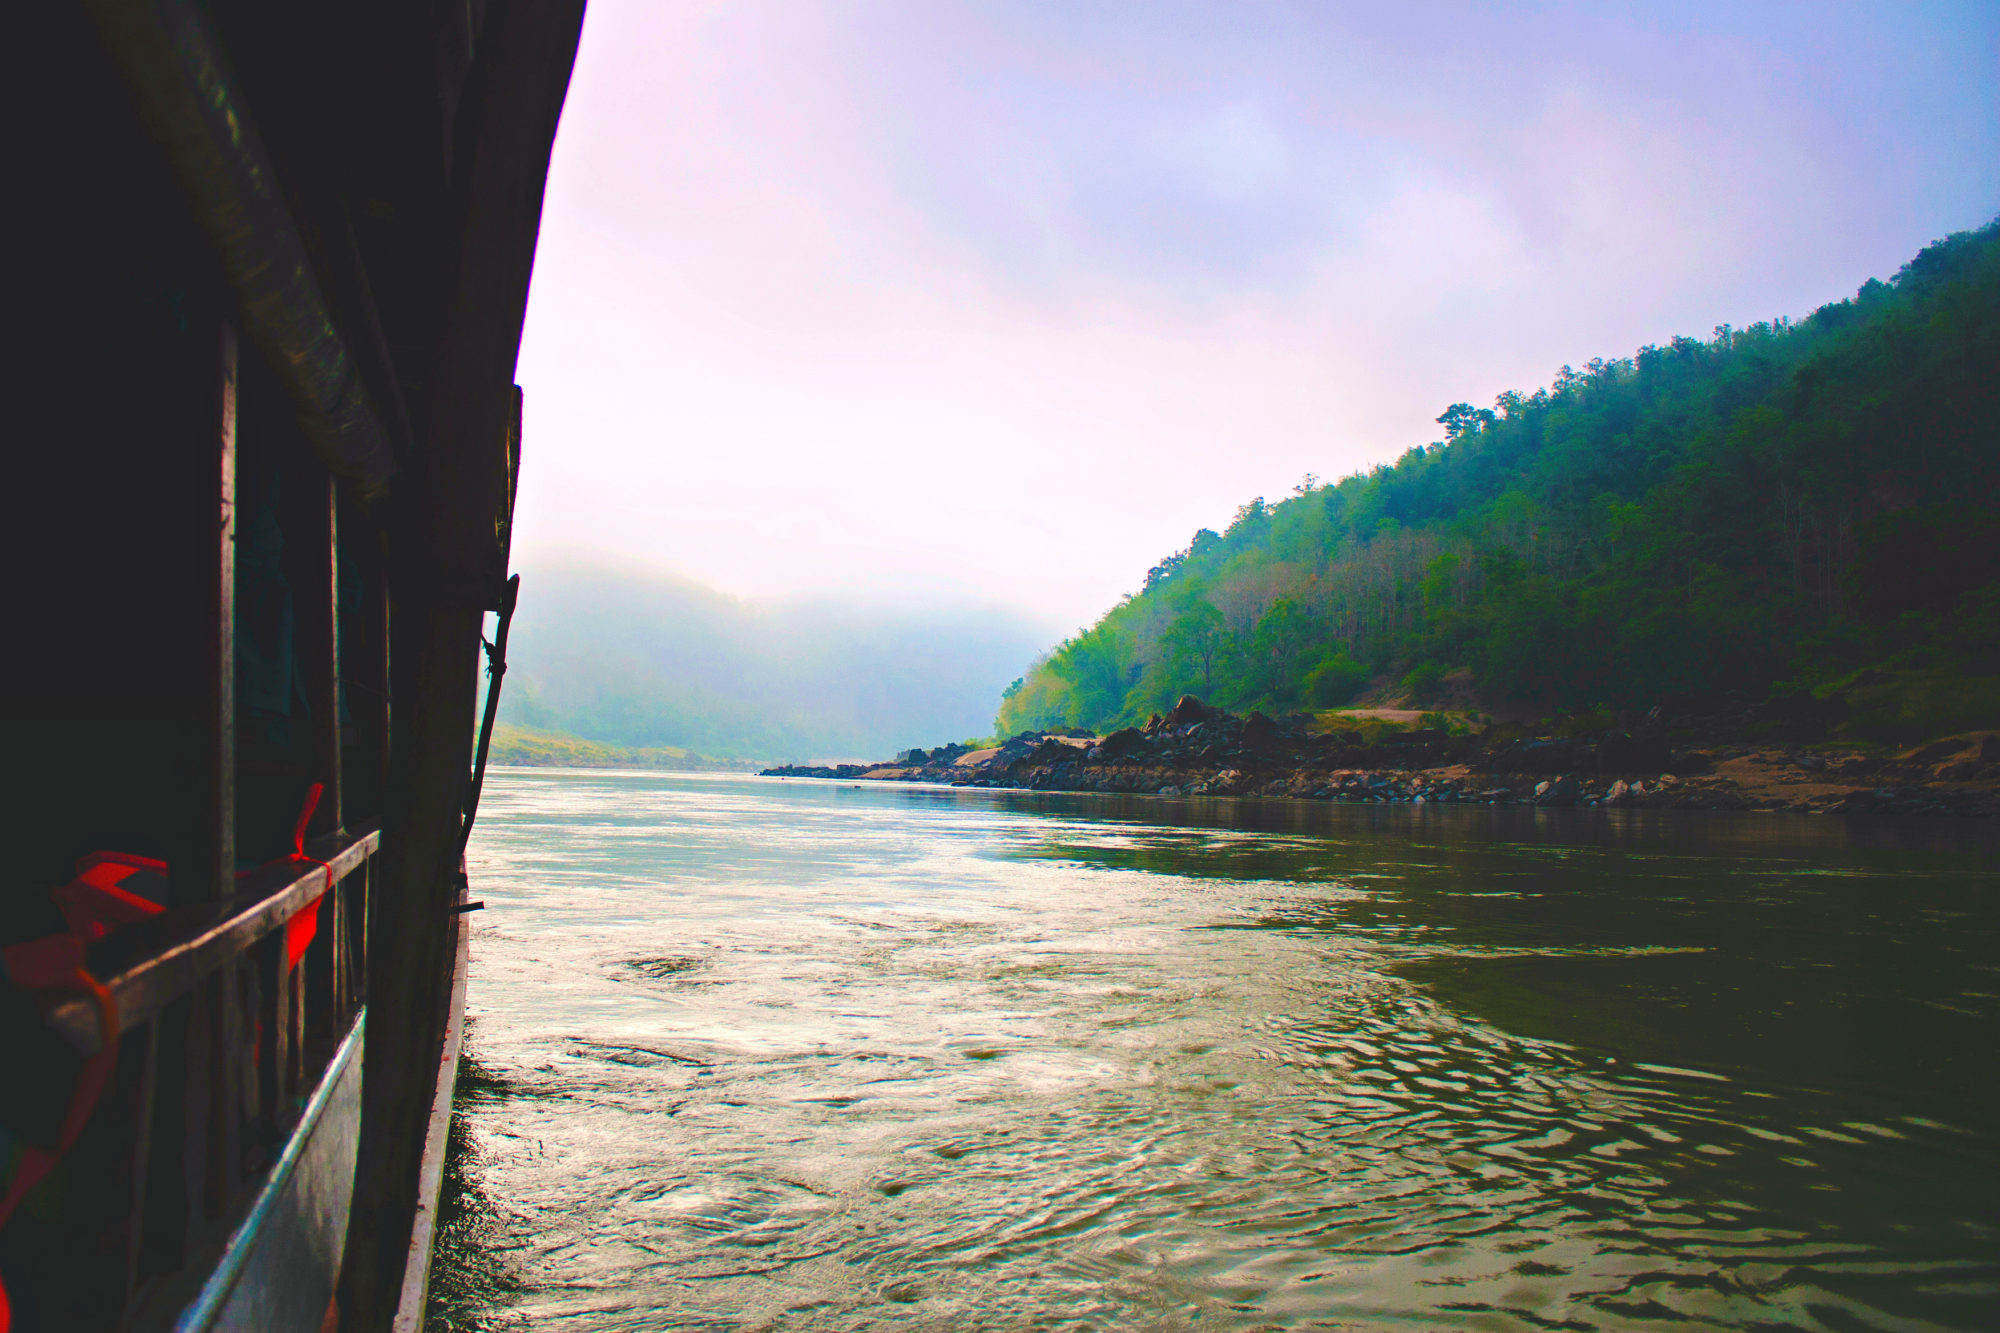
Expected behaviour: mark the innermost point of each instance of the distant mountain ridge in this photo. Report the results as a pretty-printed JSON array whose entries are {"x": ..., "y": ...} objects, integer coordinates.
[{"x": 653, "y": 662}]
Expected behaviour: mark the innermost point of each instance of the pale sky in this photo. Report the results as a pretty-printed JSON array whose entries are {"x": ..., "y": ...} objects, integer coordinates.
[{"x": 1000, "y": 302}]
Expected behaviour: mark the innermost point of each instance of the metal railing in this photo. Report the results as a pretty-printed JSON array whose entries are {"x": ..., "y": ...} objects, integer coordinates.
[{"x": 222, "y": 1039}]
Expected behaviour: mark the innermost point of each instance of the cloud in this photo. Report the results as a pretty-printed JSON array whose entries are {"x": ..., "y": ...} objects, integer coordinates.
[{"x": 1009, "y": 299}]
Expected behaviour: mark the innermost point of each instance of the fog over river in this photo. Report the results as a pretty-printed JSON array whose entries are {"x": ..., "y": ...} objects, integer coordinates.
[{"x": 749, "y": 1054}]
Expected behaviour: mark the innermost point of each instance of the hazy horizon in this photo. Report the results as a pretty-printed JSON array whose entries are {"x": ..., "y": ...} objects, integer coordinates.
[
  {"x": 646, "y": 659},
  {"x": 947, "y": 304}
]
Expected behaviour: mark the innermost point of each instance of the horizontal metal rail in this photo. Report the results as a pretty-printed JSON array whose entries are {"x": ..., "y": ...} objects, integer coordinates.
[{"x": 271, "y": 896}]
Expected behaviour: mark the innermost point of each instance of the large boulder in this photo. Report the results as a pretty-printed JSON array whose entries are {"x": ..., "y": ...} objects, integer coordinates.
[
  {"x": 1534, "y": 757},
  {"x": 1120, "y": 743},
  {"x": 1259, "y": 730},
  {"x": 1054, "y": 751},
  {"x": 1018, "y": 747},
  {"x": 1189, "y": 709},
  {"x": 1558, "y": 791}
]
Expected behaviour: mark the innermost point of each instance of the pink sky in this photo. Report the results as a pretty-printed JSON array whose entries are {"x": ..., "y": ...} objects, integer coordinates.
[{"x": 1000, "y": 303}]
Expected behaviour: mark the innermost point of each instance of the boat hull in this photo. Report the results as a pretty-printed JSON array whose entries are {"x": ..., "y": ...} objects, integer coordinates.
[{"x": 280, "y": 1267}]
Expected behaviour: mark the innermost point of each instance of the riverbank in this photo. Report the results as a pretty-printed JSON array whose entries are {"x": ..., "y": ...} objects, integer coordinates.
[
  {"x": 525, "y": 747},
  {"x": 1671, "y": 763}
]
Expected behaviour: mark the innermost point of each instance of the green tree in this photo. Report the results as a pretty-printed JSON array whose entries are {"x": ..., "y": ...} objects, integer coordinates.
[
  {"x": 1196, "y": 642},
  {"x": 1334, "y": 680},
  {"x": 1283, "y": 637}
]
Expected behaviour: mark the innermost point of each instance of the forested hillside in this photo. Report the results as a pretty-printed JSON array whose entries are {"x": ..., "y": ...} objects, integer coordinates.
[{"x": 1792, "y": 508}]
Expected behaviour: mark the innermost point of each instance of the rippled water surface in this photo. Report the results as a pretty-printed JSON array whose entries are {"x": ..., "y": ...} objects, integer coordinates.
[{"x": 796, "y": 1055}]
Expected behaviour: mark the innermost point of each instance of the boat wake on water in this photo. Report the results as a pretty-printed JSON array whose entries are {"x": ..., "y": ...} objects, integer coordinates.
[{"x": 754, "y": 1054}]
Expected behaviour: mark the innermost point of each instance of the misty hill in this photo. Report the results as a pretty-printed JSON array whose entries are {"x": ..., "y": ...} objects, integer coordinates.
[
  {"x": 1807, "y": 509},
  {"x": 653, "y": 663}
]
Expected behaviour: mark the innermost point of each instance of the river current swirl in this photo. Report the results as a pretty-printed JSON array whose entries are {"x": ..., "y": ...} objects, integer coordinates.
[{"x": 753, "y": 1054}]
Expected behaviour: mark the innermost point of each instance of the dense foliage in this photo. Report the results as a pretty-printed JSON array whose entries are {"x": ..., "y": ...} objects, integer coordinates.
[{"x": 1772, "y": 509}]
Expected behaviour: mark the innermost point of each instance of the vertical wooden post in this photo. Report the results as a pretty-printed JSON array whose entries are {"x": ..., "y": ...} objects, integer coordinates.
[
  {"x": 214, "y": 1124},
  {"x": 274, "y": 1037},
  {"x": 384, "y": 667},
  {"x": 295, "y": 1065},
  {"x": 326, "y": 670},
  {"x": 338, "y": 962},
  {"x": 214, "y": 874},
  {"x": 365, "y": 668},
  {"x": 315, "y": 992},
  {"x": 194, "y": 1150},
  {"x": 358, "y": 911},
  {"x": 326, "y": 961}
]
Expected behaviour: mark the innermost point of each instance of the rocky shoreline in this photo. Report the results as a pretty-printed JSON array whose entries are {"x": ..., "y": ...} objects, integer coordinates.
[{"x": 1673, "y": 763}]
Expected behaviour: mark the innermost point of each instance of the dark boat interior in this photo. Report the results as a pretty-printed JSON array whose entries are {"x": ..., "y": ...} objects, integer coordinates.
[{"x": 264, "y": 438}]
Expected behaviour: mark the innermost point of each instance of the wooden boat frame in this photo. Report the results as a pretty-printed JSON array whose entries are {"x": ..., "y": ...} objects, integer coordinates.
[{"x": 251, "y": 213}]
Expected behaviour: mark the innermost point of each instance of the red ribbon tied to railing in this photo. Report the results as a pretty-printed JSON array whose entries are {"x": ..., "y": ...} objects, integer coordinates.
[{"x": 299, "y": 931}]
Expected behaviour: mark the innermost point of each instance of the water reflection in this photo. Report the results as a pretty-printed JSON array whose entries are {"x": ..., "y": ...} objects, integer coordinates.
[{"x": 804, "y": 1056}]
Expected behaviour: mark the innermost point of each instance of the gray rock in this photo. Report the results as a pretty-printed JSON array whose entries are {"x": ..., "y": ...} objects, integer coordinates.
[
  {"x": 1120, "y": 743},
  {"x": 1259, "y": 730},
  {"x": 1557, "y": 791}
]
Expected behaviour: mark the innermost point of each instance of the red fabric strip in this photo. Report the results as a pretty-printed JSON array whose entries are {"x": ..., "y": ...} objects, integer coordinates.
[{"x": 299, "y": 931}]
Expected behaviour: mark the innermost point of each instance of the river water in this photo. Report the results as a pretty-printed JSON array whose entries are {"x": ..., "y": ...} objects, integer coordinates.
[{"x": 750, "y": 1054}]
